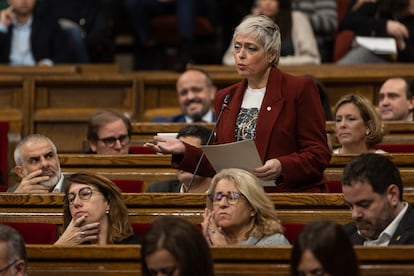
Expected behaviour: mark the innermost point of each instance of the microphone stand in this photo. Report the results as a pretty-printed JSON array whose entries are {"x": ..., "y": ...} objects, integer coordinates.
[{"x": 223, "y": 107}]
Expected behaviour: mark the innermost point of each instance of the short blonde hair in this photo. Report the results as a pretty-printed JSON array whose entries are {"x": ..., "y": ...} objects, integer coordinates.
[
  {"x": 266, "y": 31},
  {"x": 266, "y": 221},
  {"x": 369, "y": 116}
]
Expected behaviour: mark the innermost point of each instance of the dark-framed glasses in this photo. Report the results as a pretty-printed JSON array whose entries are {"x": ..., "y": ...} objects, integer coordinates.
[
  {"x": 232, "y": 197},
  {"x": 168, "y": 271},
  {"x": 110, "y": 141},
  {"x": 7, "y": 267},
  {"x": 84, "y": 194}
]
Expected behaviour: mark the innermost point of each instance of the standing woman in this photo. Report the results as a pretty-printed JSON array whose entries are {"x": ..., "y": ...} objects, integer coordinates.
[{"x": 281, "y": 112}]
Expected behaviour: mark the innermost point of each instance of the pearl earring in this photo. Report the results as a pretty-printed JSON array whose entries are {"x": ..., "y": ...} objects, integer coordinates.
[
  {"x": 367, "y": 132},
  {"x": 107, "y": 212}
]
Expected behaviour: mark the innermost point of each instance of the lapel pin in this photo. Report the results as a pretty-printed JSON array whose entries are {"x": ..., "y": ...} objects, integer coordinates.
[{"x": 269, "y": 108}]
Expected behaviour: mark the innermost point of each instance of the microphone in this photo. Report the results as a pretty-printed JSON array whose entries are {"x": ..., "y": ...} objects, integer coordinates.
[{"x": 226, "y": 101}]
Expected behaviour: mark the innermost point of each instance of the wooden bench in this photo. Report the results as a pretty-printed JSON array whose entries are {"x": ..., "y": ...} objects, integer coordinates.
[
  {"x": 60, "y": 107},
  {"x": 404, "y": 162},
  {"x": 149, "y": 168},
  {"x": 396, "y": 132},
  {"x": 144, "y": 131},
  {"x": 364, "y": 79},
  {"x": 59, "y": 69},
  {"x": 145, "y": 207},
  {"x": 233, "y": 260}
]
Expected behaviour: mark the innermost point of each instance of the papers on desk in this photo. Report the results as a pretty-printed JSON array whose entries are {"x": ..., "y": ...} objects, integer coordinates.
[
  {"x": 242, "y": 154},
  {"x": 378, "y": 45}
]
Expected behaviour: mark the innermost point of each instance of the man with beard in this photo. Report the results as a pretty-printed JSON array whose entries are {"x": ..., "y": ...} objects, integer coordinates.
[
  {"x": 196, "y": 92},
  {"x": 396, "y": 99},
  {"x": 38, "y": 166},
  {"x": 28, "y": 38},
  {"x": 373, "y": 190}
]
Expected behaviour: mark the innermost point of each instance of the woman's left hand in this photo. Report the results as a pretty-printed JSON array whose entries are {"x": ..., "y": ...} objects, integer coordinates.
[{"x": 270, "y": 170}]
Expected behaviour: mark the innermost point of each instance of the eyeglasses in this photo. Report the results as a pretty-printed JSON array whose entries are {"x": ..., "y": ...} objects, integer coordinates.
[
  {"x": 110, "y": 141},
  {"x": 84, "y": 194},
  {"x": 168, "y": 271},
  {"x": 232, "y": 197},
  {"x": 7, "y": 267}
]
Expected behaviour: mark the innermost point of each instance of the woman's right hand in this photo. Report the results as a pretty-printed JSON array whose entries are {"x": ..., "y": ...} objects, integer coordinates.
[
  {"x": 77, "y": 232},
  {"x": 166, "y": 145}
]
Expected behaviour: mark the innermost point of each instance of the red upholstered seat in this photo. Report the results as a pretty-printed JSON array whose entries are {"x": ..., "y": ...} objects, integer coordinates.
[
  {"x": 129, "y": 186},
  {"x": 396, "y": 148},
  {"x": 140, "y": 229},
  {"x": 141, "y": 150},
  {"x": 335, "y": 186},
  {"x": 4, "y": 129},
  {"x": 36, "y": 233},
  {"x": 292, "y": 230}
]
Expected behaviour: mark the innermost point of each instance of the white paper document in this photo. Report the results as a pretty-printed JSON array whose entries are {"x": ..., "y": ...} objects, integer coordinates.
[
  {"x": 242, "y": 154},
  {"x": 378, "y": 45}
]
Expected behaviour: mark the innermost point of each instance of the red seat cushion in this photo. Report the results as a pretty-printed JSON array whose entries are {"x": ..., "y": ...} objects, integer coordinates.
[
  {"x": 35, "y": 233},
  {"x": 292, "y": 230},
  {"x": 141, "y": 150},
  {"x": 335, "y": 186},
  {"x": 396, "y": 148},
  {"x": 129, "y": 186},
  {"x": 4, "y": 129}
]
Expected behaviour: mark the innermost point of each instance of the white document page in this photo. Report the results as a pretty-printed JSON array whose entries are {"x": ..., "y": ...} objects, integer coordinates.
[
  {"x": 242, "y": 154},
  {"x": 379, "y": 45}
]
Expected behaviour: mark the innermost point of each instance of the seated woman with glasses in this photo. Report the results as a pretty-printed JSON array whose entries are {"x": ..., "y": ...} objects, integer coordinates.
[
  {"x": 109, "y": 132},
  {"x": 239, "y": 212},
  {"x": 174, "y": 246},
  {"x": 94, "y": 212}
]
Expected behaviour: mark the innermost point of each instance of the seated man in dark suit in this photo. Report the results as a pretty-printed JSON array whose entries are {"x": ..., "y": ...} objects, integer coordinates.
[
  {"x": 373, "y": 189},
  {"x": 195, "y": 135},
  {"x": 38, "y": 166},
  {"x": 196, "y": 92},
  {"x": 28, "y": 38}
]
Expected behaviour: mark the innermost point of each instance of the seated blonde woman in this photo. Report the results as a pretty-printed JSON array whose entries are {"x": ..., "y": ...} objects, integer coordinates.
[
  {"x": 239, "y": 212},
  {"x": 358, "y": 126}
]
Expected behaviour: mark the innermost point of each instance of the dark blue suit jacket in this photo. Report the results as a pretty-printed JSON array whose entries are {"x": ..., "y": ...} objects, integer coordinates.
[
  {"x": 175, "y": 119},
  {"x": 403, "y": 235},
  {"x": 48, "y": 41}
]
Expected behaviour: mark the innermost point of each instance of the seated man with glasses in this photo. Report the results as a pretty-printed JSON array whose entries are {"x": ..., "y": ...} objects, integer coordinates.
[
  {"x": 13, "y": 258},
  {"x": 239, "y": 212},
  {"x": 109, "y": 132}
]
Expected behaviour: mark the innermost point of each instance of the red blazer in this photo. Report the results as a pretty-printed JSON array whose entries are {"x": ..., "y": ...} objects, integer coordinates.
[{"x": 290, "y": 127}]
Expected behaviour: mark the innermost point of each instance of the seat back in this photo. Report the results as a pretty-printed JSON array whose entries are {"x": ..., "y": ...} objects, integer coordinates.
[
  {"x": 35, "y": 233},
  {"x": 129, "y": 185},
  {"x": 396, "y": 148}
]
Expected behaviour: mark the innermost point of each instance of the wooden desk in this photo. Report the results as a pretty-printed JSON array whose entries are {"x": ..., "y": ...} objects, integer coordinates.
[
  {"x": 363, "y": 79},
  {"x": 404, "y": 162},
  {"x": 233, "y": 260},
  {"x": 149, "y": 168},
  {"x": 60, "y": 107},
  {"x": 145, "y": 207}
]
